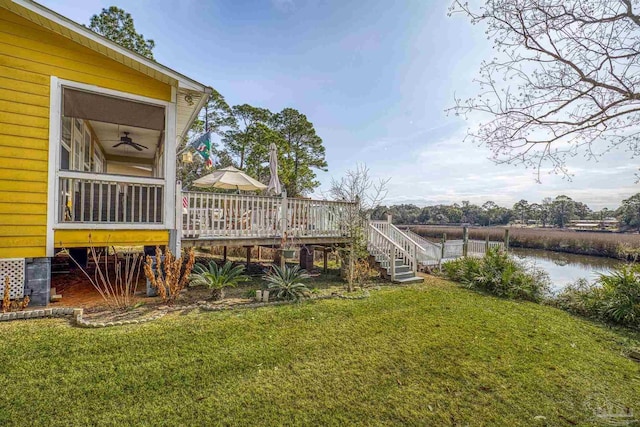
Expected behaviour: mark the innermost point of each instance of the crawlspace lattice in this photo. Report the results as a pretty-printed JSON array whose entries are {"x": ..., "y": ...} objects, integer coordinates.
[{"x": 14, "y": 269}]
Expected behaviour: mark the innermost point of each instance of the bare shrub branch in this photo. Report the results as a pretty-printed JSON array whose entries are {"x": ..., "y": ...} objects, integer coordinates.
[
  {"x": 117, "y": 293},
  {"x": 358, "y": 187}
]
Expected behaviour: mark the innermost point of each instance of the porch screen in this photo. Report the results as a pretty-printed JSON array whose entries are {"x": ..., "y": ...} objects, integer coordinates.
[{"x": 91, "y": 106}]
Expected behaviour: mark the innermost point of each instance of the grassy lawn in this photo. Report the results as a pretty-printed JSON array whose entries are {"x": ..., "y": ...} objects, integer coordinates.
[{"x": 433, "y": 354}]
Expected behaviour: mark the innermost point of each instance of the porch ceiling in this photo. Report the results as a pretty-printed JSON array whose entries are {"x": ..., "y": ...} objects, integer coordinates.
[{"x": 109, "y": 135}]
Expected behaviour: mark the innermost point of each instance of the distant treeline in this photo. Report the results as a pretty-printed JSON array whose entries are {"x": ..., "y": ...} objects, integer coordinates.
[{"x": 550, "y": 212}]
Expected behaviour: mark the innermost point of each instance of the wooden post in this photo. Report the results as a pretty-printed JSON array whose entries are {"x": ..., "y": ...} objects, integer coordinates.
[
  {"x": 415, "y": 259},
  {"x": 224, "y": 254},
  {"x": 259, "y": 253},
  {"x": 283, "y": 226},
  {"x": 506, "y": 240},
  {"x": 283, "y": 215},
  {"x": 486, "y": 244},
  {"x": 248, "y": 255},
  {"x": 325, "y": 265},
  {"x": 444, "y": 241},
  {"x": 465, "y": 241}
]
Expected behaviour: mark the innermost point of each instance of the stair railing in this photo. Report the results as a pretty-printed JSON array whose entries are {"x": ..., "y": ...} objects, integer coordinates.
[
  {"x": 384, "y": 245},
  {"x": 430, "y": 252},
  {"x": 421, "y": 240},
  {"x": 408, "y": 243}
]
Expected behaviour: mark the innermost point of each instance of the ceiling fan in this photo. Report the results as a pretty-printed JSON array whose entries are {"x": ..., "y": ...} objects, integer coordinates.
[{"x": 125, "y": 140}]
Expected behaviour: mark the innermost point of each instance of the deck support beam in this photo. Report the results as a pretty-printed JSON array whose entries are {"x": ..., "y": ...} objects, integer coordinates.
[
  {"x": 325, "y": 260},
  {"x": 248, "y": 248},
  {"x": 224, "y": 254}
]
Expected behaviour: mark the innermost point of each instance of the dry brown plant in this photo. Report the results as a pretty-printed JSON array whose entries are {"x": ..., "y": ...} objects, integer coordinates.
[
  {"x": 24, "y": 303},
  {"x": 117, "y": 291},
  {"x": 168, "y": 277},
  {"x": 6, "y": 301}
]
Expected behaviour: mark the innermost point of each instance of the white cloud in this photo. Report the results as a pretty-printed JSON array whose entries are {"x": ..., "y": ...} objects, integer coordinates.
[{"x": 451, "y": 170}]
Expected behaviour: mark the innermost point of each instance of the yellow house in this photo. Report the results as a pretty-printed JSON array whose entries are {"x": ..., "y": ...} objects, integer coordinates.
[{"x": 88, "y": 133}]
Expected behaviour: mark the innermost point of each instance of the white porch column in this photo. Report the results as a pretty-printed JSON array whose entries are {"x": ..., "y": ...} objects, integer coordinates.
[{"x": 178, "y": 219}]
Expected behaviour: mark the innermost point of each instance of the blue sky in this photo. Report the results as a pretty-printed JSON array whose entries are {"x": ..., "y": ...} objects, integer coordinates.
[{"x": 374, "y": 77}]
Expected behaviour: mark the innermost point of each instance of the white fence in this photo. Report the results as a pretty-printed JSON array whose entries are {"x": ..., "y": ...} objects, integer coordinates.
[
  {"x": 434, "y": 253},
  {"x": 479, "y": 247},
  {"x": 216, "y": 215}
]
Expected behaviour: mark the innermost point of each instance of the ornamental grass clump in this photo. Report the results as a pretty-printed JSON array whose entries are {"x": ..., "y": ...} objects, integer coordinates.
[
  {"x": 168, "y": 277},
  {"x": 499, "y": 274},
  {"x": 286, "y": 283},
  {"x": 217, "y": 278}
]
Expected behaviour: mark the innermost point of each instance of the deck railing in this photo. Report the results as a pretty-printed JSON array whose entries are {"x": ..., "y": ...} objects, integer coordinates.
[
  {"x": 106, "y": 199},
  {"x": 216, "y": 215}
]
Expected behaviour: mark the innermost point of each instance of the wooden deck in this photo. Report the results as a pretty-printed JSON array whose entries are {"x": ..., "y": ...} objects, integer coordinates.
[{"x": 247, "y": 220}]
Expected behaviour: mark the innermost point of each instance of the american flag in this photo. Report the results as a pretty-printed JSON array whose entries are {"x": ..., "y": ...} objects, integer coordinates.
[{"x": 185, "y": 202}]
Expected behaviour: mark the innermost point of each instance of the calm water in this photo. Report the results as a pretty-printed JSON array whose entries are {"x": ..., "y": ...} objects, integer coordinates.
[{"x": 565, "y": 268}]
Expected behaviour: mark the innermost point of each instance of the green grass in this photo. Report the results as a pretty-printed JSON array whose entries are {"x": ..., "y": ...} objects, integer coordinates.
[{"x": 433, "y": 354}]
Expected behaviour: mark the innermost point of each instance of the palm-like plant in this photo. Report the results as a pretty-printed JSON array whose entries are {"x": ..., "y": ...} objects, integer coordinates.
[
  {"x": 217, "y": 278},
  {"x": 286, "y": 283},
  {"x": 620, "y": 294}
]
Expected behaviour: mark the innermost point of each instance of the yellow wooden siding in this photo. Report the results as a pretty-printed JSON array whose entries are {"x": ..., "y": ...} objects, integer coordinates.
[
  {"x": 35, "y": 251},
  {"x": 80, "y": 238},
  {"x": 29, "y": 56}
]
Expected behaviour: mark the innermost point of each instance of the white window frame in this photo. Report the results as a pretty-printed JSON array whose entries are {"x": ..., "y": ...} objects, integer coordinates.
[
  {"x": 97, "y": 159},
  {"x": 54, "y": 172},
  {"x": 67, "y": 146},
  {"x": 77, "y": 145}
]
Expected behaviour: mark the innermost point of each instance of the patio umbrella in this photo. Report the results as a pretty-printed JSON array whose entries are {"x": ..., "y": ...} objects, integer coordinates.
[
  {"x": 229, "y": 178},
  {"x": 274, "y": 182}
]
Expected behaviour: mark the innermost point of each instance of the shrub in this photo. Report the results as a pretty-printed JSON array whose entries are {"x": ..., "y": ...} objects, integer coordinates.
[
  {"x": 614, "y": 297},
  {"x": 286, "y": 283},
  {"x": 620, "y": 295},
  {"x": 462, "y": 270},
  {"x": 217, "y": 278},
  {"x": 581, "y": 298},
  {"x": 169, "y": 278},
  {"x": 499, "y": 274}
]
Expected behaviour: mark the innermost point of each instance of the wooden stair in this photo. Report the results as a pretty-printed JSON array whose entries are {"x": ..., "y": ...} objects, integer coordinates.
[{"x": 403, "y": 271}]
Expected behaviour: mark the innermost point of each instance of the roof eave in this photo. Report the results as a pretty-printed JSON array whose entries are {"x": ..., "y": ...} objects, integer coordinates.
[
  {"x": 184, "y": 82},
  {"x": 194, "y": 114}
]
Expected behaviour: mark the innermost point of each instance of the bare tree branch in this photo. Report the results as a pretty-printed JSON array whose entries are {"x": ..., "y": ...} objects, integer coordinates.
[{"x": 565, "y": 80}]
